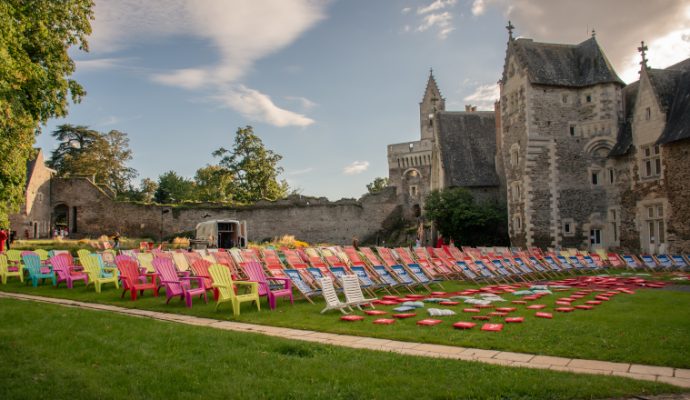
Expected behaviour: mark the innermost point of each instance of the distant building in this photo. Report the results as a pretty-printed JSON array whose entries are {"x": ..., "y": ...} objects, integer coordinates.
[{"x": 34, "y": 217}]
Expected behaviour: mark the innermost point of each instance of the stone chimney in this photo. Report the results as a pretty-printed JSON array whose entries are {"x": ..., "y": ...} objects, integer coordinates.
[{"x": 470, "y": 108}]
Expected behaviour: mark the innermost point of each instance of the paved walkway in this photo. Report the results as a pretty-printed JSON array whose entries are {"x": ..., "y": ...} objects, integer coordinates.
[{"x": 673, "y": 376}]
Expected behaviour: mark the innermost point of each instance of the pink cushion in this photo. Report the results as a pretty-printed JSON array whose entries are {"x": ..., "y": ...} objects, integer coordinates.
[
  {"x": 519, "y": 302},
  {"x": 429, "y": 322},
  {"x": 464, "y": 325},
  {"x": 471, "y": 310},
  {"x": 389, "y": 297},
  {"x": 404, "y": 315},
  {"x": 384, "y": 321},
  {"x": 565, "y": 309},
  {"x": 492, "y": 327},
  {"x": 351, "y": 318},
  {"x": 536, "y": 306},
  {"x": 543, "y": 315},
  {"x": 584, "y": 307},
  {"x": 563, "y": 303},
  {"x": 498, "y": 314},
  {"x": 506, "y": 309},
  {"x": 438, "y": 293},
  {"x": 387, "y": 302},
  {"x": 375, "y": 312},
  {"x": 484, "y": 306},
  {"x": 514, "y": 320},
  {"x": 481, "y": 317},
  {"x": 593, "y": 302}
]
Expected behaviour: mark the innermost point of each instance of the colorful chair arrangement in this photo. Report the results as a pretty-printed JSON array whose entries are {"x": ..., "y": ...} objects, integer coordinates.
[
  {"x": 96, "y": 274},
  {"x": 129, "y": 275},
  {"x": 37, "y": 271},
  {"x": 5, "y": 271},
  {"x": 283, "y": 287},
  {"x": 66, "y": 272},
  {"x": 222, "y": 280},
  {"x": 176, "y": 286}
]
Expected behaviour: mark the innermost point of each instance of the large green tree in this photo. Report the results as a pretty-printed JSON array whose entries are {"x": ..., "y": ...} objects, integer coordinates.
[
  {"x": 254, "y": 168},
  {"x": 173, "y": 188},
  {"x": 456, "y": 215},
  {"x": 213, "y": 183},
  {"x": 34, "y": 80},
  {"x": 377, "y": 185},
  {"x": 85, "y": 152}
]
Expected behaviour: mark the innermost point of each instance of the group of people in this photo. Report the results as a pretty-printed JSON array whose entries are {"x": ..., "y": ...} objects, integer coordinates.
[{"x": 60, "y": 232}]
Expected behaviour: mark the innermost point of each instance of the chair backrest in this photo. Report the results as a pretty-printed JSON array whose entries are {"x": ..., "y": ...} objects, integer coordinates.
[
  {"x": 384, "y": 275},
  {"x": 60, "y": 266},
  {"x": 82, "y": 253},
  {"x": 298, "y": 282},
  {"x": 200, "y": 268},
  {"x": 42, "y": 254},
  {"x": 255, "y": 272},
  {"x": 3, "y": 264},
  {"x": 418, "y": 273},
  {"x": 180, "y": 261},
  {"x": 352, "y": 289},
  {"x": 14, "y": 256},
  {"x": 362, "y": 275},
  {"x": 32, "y": 262},
  {"x": 145, "y": 261},
  {"x": 166, "y": 271},
  {"x": 108, "y": 256},
  {"x": 402, "y": 274},
  {"x": 221, "y": 276},
  {"x": 329, "y": 293},
  {"x": 129, "y": 271}
]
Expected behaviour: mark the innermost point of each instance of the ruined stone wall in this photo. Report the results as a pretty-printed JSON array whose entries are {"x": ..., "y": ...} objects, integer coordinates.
[
  {"x": 409, "y": 166},
  {"x": 309, "y": 219},
  {"x": 676, "y": 159}
]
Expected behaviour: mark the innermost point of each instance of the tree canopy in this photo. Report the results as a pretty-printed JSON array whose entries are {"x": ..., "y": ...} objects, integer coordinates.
[
  {"x": 456, "y": 215},
  {"x": 174, "y": 188},
  {"x": 254, "y": 169},
  {"x": 213, "y": 183},
  {"x": 377, "y": 185},
  {"x": 34, "y": 68},
  {"x": 85, "y": 152}
]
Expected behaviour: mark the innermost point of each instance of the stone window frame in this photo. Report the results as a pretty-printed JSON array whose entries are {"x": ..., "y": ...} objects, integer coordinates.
[
  {"x": 610, "y": 175},
  {"x": 654, "y": 221},
  {"x": 515, "y": 155},
  {"x": 595, "y": 172},
  {"x": 516, "y": 192},
  {"x": 568, "y": 223},
  {"x": 651, "y": 166},
  {"x": 614, "y": 219},
  {"x": 413, "y": 191},
  {"x": 517, "y": 223},
  {"x": 648, "y": 113}
]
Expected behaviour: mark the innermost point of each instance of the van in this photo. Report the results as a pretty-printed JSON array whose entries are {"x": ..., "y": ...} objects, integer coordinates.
[{"x": 222, "y": 233}]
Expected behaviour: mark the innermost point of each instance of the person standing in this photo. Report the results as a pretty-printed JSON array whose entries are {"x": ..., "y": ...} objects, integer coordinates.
[
  {"x": 439, "y": 242},
  {"x": 116, "y": 241},
  {"x": 3, "y": 238}
]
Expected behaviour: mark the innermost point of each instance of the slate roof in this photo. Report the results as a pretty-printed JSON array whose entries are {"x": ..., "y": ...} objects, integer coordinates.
[
  {"x": 624, "y": 140},
  {"x": 678, "y": 117},
  {"x": 467, "y": 143},
  {"x": 579, "y": 65}
]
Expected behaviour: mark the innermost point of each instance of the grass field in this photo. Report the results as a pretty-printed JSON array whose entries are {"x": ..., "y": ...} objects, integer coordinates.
[
  {"x": 54, "y": 352},
  {"x": 650, "y": 327}
]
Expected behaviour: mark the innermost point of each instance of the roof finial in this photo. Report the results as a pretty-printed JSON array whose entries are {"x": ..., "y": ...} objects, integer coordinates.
[
  {"x": 431, "y": 71},
  {"x": 510, "y": 28},
  {"x": 643, "y": 50},
  {"x": 594, "y": 33}
]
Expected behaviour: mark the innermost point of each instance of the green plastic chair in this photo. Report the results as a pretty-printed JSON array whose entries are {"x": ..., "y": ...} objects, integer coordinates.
[
  {"x": 95, "y": 272},
  {"x": 222, "y": 280},
  {"x": 14, "y": 259},
  {"x": 6, "y": 273},
  {"x": 42, "y": 254}
]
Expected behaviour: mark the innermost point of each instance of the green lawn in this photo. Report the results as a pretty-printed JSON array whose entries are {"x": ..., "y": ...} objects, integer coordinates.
[
  {"x": 651, "y": 327},
  {"x": 53, "y": 352}
]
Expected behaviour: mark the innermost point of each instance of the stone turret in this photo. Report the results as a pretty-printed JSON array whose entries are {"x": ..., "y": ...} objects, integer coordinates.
[{"x": 432, "y": 102}]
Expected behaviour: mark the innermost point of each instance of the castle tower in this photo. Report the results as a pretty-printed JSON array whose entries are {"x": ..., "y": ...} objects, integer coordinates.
[{"x": 432, "y": 102}]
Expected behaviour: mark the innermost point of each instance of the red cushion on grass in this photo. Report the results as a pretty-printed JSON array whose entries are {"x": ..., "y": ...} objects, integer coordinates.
[
  {"x": 543, "y": 315},
  {"x": 390, "y": 297},
  {"x": 471, "y": 310},
  {"x": 626, "y": 291},
  {"x": 415, "y": 296},
  {"x": 568, "y": 299},
  {"x": 563, "y": 303},
  {"x": 464, "y": 325},
  {"x": 498, "y": 314},
  {"x": 536, "y": 306},
  {"x": 404, "y": 299},
  {"x": 387, "y": 302},
  {"x": 384, "y": 321},
  {"x": 519, "y": 302},
  {"x": 577, "y": 296},
  {"x": 492, "y": 327},
  {"x": 351, "y": 318},
  {"x": 602, "y": 298},
  {"x": 514, "y": 320},
  {"x": 481, "y": 317},
  {"x": 438, "y": 293},
  {"x": 375, "y": 312},
  {"x": 404, "y": 315},
  {"x": 429, "y": 322},
  {"x": 506, "y": 309},
  {"x": 530, "y": 298},
  {"x": 484, "y": 306},
  {"x": 593, "y": 302},
  {"x": 584, "y": 307},
  {"x": 449, "y": 303},
  {"x": 560, "y": 290},
  {"x": 565, "y": 309}
]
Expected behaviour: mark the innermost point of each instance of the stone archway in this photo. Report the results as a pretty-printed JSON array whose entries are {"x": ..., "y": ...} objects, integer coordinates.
[{"x": 60, "y": 217}]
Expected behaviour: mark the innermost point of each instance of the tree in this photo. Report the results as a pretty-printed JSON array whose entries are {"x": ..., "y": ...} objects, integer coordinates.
[
  {"x": 213, "y": 183},
  {"x": 377, "y": 185},
  {"x": 35, "y": 37},
  {"x": 457, "y": 216},
  {"x": 173, "y": 188},
  {"x": 85, "y": 152},
  {"x": 254, "y": 168},
  {"x": 148, "y": 188}
]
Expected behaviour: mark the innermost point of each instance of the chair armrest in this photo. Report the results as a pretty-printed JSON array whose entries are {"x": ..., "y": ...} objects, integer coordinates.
[
  {"x": 219, "y": 285},
  {"x": 246, "y": 283},
  {"x": 277, "y": 279}
]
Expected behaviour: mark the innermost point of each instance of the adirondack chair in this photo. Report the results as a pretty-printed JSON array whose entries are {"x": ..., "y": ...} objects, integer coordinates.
[
  {"x": 14, "y": 260},
  {"x": 146, "y": 261},
  {"x": 331, "y": 297},
  {"x": 129, "y": 274},
  {"x": 108, "y": 256},
  {"x": 96, "y": 273},
  {"x": 303, "y": 287},
  {"x": 176, "y": 286},
  {"x": 222, "y": 280},
  {"x": 353, "y": 292},
  {"x": 43, "y": 255},
  {"x": 255, "y": 272},
  {"x": 180, "y": 262},
  {"x": 66, "y": 273},
  {"x": 6, "y": 273},
  {"x": 32, "y": 264},
  {"x": 200, "y": 269}
]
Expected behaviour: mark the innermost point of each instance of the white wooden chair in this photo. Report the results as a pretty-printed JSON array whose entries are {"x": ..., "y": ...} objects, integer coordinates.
[
  {"x": 353, "y": 292},
  {"x": 331, "y": 297}
]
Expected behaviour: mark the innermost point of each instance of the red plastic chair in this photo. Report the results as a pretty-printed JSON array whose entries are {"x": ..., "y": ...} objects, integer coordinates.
[{"x": 129, "y": 275}]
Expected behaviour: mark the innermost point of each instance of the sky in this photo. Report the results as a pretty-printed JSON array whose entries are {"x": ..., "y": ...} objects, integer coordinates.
[{"x": 328, "y": 84}]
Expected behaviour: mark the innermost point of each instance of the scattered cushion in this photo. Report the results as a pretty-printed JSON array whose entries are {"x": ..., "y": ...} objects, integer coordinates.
[
  {"x": 563, "y": 303},
  {"x": 584, "y": 307},
  {"x": 537, "y": 306},
  {"x": 429, "y": 322},
  {"x": 484, "y": 306},
  {"x": 471, "y": 310},
  {"x": 449, "y": 303},
  {"x": 481, "y": 317},
  {"x": 386, "y": 302},
  {"x": 415, "y": 296},
  {"x": 440, "y": 312},
  {"x": 544, "y": 315},
  {"x": 404, "y": 315},
  {"x": 403, "y": 308},
  {"x": 434, "y": 300},
  {"x": 438, "y": 293},
  {"x": 568, "y": 299},
  {"x": 514, "y": 320},
  {"x": 384, "y": 321},
  {"x": 565, "y": 309},
  {"x": 375, "y": 312},
  {"x": 413, "y": 304},
  {"x": 351, "y": 318},
  {"x": 498, "y": 314},
  {"x": 506, "y": 309},
  {"x": 390, "y": 297},
  {"x": 519, "y": 302},
  {"x": 464, "y": 325},
  {"x": 602, "y": 298},
  {"x": 492, "y": 327},
  {"x": 593, "y": 302}
]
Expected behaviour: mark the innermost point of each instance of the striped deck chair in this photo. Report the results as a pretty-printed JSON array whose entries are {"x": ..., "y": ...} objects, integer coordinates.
[
  {"x": 366, "y": 281},
  {"x": 385, "y": 276},
  {"x": 484, "y": 270},
  {"x": 306, "y": 290},
  {"x": 522, "y": 266},
  {"x": 537, "y": 265},
  {"x": 503, "y": 269},
  {"x": 467, "y": 271},
  {"x": 649, "y": 262},
  {"x": 679, "y": 262},
  {"x": 565, "y": 263},
  {"x": 631, "y": 261},
  {"x": 192, "y": 257},
  {"x": 449, "y": 258},
  {"x": 553, "y": 264},
  {"x": 353, "y": 256},
  {"x": 406, "y": 278},
  {"x": 589, "y": 262},
  {"x": 615, "y": 260},
  {"x": 405, "y": 255},
  {"x": 421, "y": 276},
  {"x": 664, "y": 261},
  {"x": 294, "y": 261},
  {"x": 181, "y": 263},
  {"x": 575, "y": 261}
]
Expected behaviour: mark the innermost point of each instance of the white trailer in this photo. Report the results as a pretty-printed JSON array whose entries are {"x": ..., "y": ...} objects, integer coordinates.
[{"x": 222, "y": 233}]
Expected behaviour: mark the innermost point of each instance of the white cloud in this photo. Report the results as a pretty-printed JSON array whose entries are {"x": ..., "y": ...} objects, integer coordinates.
[
  {"x": 299, "y": 171},
  {"x": 436, "y": 5},
  {"x": 304, "y": 102},
  {"x": 110, "y": 120},
  {"x": 406, "y": 10},
  {"x": 241, "y": 31},
  {"x": 99, "y": 63},
  {"x": 258, "y": 106},
  {"x": 662, "y": 26},
  {"x": 357, "y": 167},
  {"x": 478, "y": 7},
  {"x": 483, "y": 96}
]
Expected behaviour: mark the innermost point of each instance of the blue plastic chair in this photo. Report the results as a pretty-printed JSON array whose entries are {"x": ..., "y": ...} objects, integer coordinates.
[{"x": 32, "y": 264}]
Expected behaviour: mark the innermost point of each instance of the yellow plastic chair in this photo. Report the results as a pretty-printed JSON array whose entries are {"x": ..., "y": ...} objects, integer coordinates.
[
  {"x": 42, "y": 254},
  {"x": 6, "y": 273},
  {"x": 146, "y": 261},
  {"x": 93, "y": 269},
  {"x": 222, "y": 280},
  {"x": 14, "y": 259}
]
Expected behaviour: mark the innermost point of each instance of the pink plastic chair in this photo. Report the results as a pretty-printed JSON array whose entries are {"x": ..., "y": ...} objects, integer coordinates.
[
  {"x": 255, "y": 272},
  {"x": 66, "y": 272},
  {"x": 175, "y": 285}
]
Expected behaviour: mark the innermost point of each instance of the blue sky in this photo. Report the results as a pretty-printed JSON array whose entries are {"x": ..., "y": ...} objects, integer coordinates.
[{"x": 326, "y": 84}]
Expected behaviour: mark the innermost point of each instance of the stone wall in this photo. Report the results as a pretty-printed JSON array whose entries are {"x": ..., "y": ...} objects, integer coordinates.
[
  {"x": 33, "y": 219},
  {"x": 309, "y": 219},
  {"x": 675, "y": 157}
]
